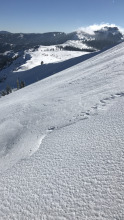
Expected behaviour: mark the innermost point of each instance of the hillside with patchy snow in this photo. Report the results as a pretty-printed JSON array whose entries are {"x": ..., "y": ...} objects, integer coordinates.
[{"x": 62, "y": 144}]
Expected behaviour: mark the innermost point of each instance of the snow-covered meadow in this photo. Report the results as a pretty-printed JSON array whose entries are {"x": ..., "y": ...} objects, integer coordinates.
[
  {"x": 47, "y": 54},
  {"x": 62, "y": 144}
]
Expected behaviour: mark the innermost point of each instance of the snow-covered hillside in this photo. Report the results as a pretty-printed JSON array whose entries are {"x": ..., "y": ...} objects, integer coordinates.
[
  {"x": 99, "y": 38},
  {"x": 28, "y": 66},
  {"x": 47, "y": 54},
  {"x": 62, "y": 144}
]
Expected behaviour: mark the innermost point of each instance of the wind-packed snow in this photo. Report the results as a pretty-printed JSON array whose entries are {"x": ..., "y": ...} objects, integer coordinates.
[{"x": 62, "y": 144}]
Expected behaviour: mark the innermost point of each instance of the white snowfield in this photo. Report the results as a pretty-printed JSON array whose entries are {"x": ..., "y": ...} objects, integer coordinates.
[
  {"x": 62, "y": 144},
  {"x": 47, "y": 54}
]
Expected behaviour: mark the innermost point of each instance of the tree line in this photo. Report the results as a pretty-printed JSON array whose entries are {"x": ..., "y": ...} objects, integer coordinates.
[{"x": 8, "y": 89}]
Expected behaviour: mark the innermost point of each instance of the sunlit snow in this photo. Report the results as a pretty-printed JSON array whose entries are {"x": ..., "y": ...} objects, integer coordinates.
[
  {"x": 62, "y": 144},
  {"x": 48, "y": 55}
]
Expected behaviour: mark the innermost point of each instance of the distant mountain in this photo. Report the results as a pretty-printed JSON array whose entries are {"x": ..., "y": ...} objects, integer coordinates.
[
  {"x": 32, "y": 38},
  {"x": 106, "y": 33},
  {"x": 13, "y": 46},
  {"x": 80, "y": 40},
  {"x": 4, "y": 32},
  {"x": 77, "y": 40},
  {"x": 110, "y": 34}
]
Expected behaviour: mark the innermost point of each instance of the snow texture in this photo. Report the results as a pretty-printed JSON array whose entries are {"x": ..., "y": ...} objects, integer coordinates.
[{"x": 62, "y": 144}]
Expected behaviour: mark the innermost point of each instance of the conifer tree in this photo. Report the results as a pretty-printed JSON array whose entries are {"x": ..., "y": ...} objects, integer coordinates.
[
  {"x": 18, "y": 84},
  {"x": 7, "y": 89},
  {"x": 10, "y": 89}
]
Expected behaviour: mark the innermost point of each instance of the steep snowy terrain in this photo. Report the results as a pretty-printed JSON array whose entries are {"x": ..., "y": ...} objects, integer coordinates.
[{"x": 62, "y": 144}]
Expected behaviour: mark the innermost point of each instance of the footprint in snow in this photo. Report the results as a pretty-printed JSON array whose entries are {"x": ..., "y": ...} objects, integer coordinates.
[{"x": 51, "y": 128}]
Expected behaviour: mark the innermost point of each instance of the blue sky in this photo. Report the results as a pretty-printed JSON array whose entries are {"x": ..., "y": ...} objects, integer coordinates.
[{"x": 40, "y": 16}]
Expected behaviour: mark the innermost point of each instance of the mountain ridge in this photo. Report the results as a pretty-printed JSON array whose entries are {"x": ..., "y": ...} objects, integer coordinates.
[
  {"x": 5, "y": 32},
  {"x": 53, "y": 38}
]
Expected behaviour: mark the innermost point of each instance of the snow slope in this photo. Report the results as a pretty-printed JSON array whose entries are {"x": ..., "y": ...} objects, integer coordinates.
[{"x": 61, "y": 144}]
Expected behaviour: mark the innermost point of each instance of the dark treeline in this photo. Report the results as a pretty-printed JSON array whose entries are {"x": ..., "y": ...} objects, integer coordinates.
[
  {"x": 70, "y": 48},
  {"x": 99, "y": 44},
  {"x": 94, "y": 44},
  {"x": 4, "y": 60},
  {"x": 15, "y": 47},
  {"x": 8, "y": 89}
]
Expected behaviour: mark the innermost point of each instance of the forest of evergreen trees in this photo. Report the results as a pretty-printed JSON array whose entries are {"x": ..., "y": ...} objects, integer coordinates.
[
  {"x": 99, "y": 44},
  {"x": 70, "y": 48}
]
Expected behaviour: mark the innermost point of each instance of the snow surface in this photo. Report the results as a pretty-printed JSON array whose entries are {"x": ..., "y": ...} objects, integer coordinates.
[{"x": 62, "y": 144}]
